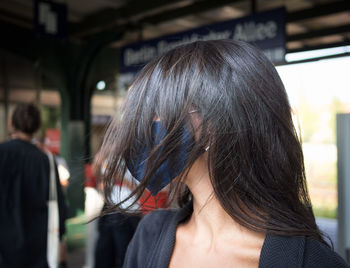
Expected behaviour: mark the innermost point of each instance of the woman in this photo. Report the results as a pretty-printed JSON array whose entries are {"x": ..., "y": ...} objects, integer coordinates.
[
  {"x": 24, "y": 193},
  {"x": 212, "y": 118}
]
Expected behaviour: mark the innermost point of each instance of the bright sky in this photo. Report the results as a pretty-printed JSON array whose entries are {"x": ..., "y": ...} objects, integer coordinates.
[{"x": 318, "y": 81}]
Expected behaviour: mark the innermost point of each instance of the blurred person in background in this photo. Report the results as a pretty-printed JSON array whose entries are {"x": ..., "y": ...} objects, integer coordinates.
[
  {"x": 110, "y": 239},
  {"x": 24, "y": 194},
  {"x": 63, "y": 171},
  {"x": 93, "y": 206},
  {"x": 212, "y": 120},
  {"x": 116, "y": 230},
  {"x": 45, "y": 145},
  {"x": 52, "y": 142}
]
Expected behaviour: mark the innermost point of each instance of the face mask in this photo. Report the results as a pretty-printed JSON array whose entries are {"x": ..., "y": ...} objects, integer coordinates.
[{"x": 170, "y": 168}]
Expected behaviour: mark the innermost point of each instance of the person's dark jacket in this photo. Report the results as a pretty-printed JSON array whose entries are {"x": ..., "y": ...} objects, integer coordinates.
[
  {"x": 154, "y": 240},
  {"x": 24, "y": 192}
]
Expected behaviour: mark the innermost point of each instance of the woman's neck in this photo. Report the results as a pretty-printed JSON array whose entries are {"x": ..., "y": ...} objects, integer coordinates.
[
  {"x": 209, "y": 219},
  {"x": 21, "y": 136}
]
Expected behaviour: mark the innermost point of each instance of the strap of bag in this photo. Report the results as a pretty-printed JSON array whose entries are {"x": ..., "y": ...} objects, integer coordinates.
[
  {"x": 52, "y": 250},
  {"x": 52, "y": 187}
]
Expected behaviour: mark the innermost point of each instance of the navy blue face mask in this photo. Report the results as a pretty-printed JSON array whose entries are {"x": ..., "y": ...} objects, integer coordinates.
[{"x": 170, "y": 168}]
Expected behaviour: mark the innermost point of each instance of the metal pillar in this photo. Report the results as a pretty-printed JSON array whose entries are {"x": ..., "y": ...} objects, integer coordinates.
[
  {"x": 75, "y": 159},
  {"x": 343, "y": 147},
  {"x": 76, "y": 98}
]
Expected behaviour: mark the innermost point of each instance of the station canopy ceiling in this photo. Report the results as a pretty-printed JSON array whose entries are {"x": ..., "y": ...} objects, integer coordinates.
[{"x": 311, "y": 24}]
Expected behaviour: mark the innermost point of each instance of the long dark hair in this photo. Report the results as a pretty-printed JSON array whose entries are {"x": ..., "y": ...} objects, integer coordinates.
[{"x": 255, "y": 158}]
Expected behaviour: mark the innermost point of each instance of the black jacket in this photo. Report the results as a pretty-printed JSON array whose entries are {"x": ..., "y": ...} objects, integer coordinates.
[
  {"x": 154, "y": 240},
  {"x": 24, "y": 192}
]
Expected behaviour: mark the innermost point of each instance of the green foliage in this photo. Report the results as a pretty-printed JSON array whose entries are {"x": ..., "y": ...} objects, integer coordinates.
[
  {"x": 325, "y": 212},
  {"x": 308, "y": 119},
  {"x": 336, "y": 107}
]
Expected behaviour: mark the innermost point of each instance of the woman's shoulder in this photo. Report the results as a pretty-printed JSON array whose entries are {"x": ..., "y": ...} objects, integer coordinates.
[
  {"x": 160, "y": 220},
  {"x": 153, "y": 228},
  {"x": 298, "y": 251},
  {"x": 20, "y": 147},
  {"x": 317, "y": 254},
  {"x": 8, "y": 145}
]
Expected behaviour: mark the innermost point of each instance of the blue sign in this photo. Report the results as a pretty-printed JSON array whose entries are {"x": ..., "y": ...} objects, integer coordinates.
[
  {"x": 266, "y": 30},
  {"x": 50, "y": 19}
]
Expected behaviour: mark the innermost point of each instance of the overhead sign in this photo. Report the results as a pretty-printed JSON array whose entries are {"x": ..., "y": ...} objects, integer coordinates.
[
  {"x": 50, "y": 19},
  {"x": 266, "y": 30}
]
